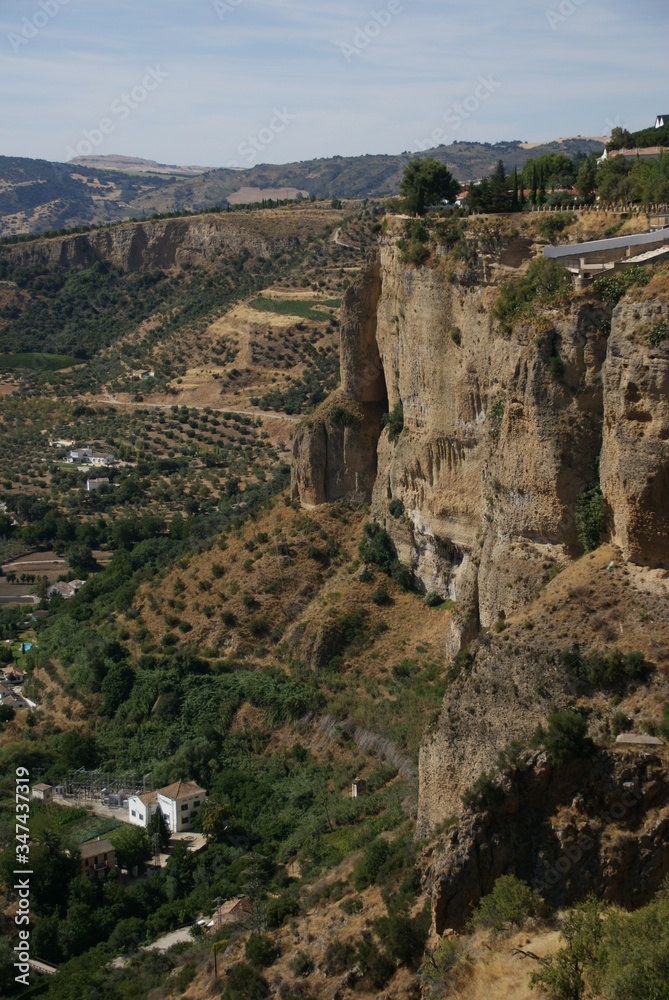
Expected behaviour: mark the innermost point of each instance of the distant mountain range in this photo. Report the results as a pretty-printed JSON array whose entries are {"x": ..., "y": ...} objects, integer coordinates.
[
  {"x": 36, "y": 195},
  {"x": 135, "y": 165}
]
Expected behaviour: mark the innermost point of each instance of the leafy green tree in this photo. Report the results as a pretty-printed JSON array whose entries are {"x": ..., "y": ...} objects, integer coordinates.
[
  {"x": 566, "y": 736},
  {"x": 592, "y": 516},
  {"x": 245, "y": 983},
  {"x": 157, "y": 825},
  {"x": 564, "y": 975},
  {"x": 179, "y": 871},
  {"x": 132, "y": 846},
  {"x": 116, "y": 687},
  {"x": 260, "y": 951},
  {"x": 586, "y": 181},
  {"x": 510, "y": 903},
  {"x": 403, "y": 937},
  {"x": 424, "y": 183}
]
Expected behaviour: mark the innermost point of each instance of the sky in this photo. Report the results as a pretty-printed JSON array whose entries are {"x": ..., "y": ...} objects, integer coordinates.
[{"x": 239, "y": 82}]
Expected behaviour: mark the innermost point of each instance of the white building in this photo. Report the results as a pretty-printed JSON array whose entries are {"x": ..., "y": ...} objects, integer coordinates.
[
  {"x": 93, "y": 485},
  {"x": 43, "y": 792},
  {"x": 142, "y": 807},
  {"x": 179, "y": 803},
  {"x": 80, "y": 455},
  {"x": 660, "y": 120}
]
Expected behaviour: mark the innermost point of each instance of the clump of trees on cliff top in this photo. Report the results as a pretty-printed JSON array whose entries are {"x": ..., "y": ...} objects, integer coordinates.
[{"x": 425, "y": 183}]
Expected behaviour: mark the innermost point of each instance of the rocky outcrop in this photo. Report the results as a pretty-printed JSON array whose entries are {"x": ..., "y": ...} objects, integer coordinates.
[
  {"x": 167, "y": 243},
  {"x": 332, "y": 461},
  {"x": 596, "y": 825},
  {"x": 335, "y": 450},
  {"x": 502, "y": 432},
  {"x": 635, "y": 452}
]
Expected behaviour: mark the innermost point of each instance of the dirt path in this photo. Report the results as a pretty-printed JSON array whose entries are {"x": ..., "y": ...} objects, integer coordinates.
[
  {"x": 262, "y": 414},
  {"x": 336, "y": 239}
]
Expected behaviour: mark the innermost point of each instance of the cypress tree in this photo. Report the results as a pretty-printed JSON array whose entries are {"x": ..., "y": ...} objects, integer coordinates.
[
  {"x": 534, "y": 183},
  {"x": 514, "y": 197},
  {"x": 542, "y": 187}
]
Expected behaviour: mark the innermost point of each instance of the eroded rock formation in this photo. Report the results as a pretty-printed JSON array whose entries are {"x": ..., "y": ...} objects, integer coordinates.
[{"x": 502, "y": 432}]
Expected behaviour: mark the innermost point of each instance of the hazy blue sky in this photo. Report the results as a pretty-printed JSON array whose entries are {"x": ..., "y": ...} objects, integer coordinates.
[{"x": 347, "y": 77}]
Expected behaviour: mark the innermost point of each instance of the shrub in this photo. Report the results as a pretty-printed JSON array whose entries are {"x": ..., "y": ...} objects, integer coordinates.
[
  {"x": 259, "y": 625},
  {"x": 376, "y": 966},
  {"x": 605, "y": 670},
  {"x": 339, "y": 416},
  {"x": 510, "y": 903},
  {"x": 302, "y": 964},
  {"x": 484, "y": 791},
  {"x": 403, "y": 937},
  {"x": 592, "y": 517},
  {"x": 566, "y": 736},
  {"x": 245, "y": 983},
  {"x": 381, "y": 596},
  {"x": 550, "y": 225},
  {"x": 433, "y": 599},
  {"x": 279, "y": 909},
  {"x": 620, "y": 723},
  {"x": 456, "y": 336},
  {"x": 396, "y": 508},
  {"x": 556, "y": 366},
  {"x": 377, "y": 547},
  {"x": 545, "y": 280},
  {"x": 394, "y": 421},
  {"x": 339, "y": 956},
  {"x": 657, "y": 334},
  {"x": 352, "y": 905},
  {"x": 261, "y": 951},
  {"x": 369, "y": 866},
  {"x": 405, "y": 670}
]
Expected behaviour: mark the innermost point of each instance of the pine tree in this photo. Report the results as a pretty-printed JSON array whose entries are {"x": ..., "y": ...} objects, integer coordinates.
[{"x": 542, "y": 187}]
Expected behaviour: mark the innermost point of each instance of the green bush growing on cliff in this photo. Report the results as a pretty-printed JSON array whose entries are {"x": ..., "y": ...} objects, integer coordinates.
[
  {"x": 605, "y": 670},
  {"x": 552, "y": 224},
  {"x": 657, "y": 334},
  {"x": 394, "y": 421},
  {"x": 377, "y": 547},
  {"x": 608, "y": 953},
  {"x": 545, "y": 281},
  {"x": 612, "y": 287},
  {"x": 339, "y": 416},
  {"x": 510, "y": 903},
  {"x": 592, "y": 517},
  {"x": 485, "y": 791},
  {"x": 566, "y": 736}
]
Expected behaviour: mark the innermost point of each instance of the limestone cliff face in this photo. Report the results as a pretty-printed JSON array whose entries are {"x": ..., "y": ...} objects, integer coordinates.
[
  {"x": 502, "y": 433},
  {"x": 596, "y": 826},
  {"x": 166, "y": 243},
  {"x": 635, "y": 453}
]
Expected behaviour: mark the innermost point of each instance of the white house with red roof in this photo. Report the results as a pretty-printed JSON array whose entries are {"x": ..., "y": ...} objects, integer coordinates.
[{"x": 179, "y": 803}]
